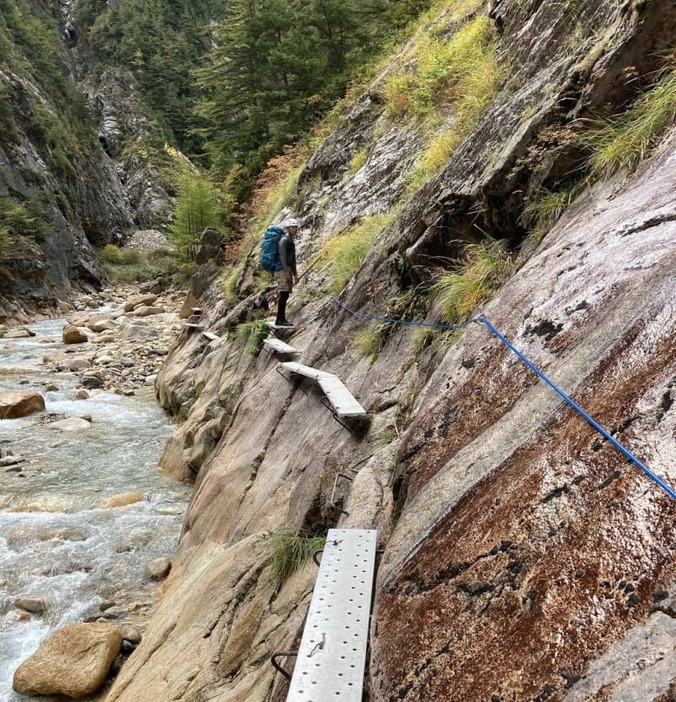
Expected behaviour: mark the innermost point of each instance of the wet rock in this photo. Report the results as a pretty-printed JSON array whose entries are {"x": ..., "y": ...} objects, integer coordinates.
[
  {"x": 23, "y": 333},
  {"x": 74, "y": 335},
  {"x": 78, "y": 364},
  {"x": 155, "y": 286},
  {"x": 34, "y": 605},
  {"x": 101, "y": 325},
  {"x": 73, "y": 662},
  {"x": 91, "y": 382},
  {"x": 639, "y": 667},
  {"x": 80, "y": 394},
  {"x": 121, "y": 500},
  {"x": 11, "y": 460},
  {"x": 14, "y": 405},
  {"x": 158, "y": 569},
  {"x": 71, "y": 424}
]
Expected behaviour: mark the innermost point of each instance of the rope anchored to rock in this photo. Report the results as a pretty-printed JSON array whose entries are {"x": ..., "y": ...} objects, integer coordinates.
[{"x": 524, "y": 359}]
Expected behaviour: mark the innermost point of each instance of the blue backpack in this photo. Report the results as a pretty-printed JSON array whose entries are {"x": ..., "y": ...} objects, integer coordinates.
[{"x": 269, "y": 258}]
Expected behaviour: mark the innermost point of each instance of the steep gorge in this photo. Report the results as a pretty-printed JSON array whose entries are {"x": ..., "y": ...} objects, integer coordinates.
[{"x": 524, "y": 557}]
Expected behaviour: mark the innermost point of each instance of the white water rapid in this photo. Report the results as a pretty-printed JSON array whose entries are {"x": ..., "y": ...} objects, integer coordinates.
[{"x": 55, "y": 544}]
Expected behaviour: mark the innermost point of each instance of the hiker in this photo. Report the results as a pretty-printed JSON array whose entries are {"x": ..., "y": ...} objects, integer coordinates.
[{"x": 287, "y": 274}]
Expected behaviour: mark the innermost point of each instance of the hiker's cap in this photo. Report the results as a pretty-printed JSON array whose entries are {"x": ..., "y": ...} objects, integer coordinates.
[{"x": 291, "y": 222}]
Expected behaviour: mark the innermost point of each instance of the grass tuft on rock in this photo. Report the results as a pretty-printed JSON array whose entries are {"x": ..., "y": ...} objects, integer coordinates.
[
  {"x": 289, "y": 552},
  {"x": 254, "y": 333},
  {"x": 485, "y": 267},
  {"x": 625, "y": 140},
  {"x": 346, "y": 253}
]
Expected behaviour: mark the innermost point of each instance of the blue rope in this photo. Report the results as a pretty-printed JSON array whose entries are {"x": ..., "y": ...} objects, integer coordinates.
[
  {"x": 405, "y": 322},
  {"x": 482, "y": 320},
  {"x": 655, "y": 478}
]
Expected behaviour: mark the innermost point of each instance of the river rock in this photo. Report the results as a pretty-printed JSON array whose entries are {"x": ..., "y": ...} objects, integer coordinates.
[
  {"x": 121, "y": 500},
  {"x": 14, "y": 405},
  {"x": 138, "y": 332},
  {"x": 138, "y": 300},
  {"x": 80, "y": 394},
  {"x": 29, "y": 534},
  {"x": 78, "y": 364},
  {"x": 145, "y": 311},
  {"x": 131, "y": 634},
  {"x": 101, "y": 325},
  {"x": 74, "y": 335},
  {"x": 158, "y": 569},
  {"x": 70, "y": 424},
  {"x": 23, "y": 333},
  {"x": 73, "y": 662},
  {"x": 34, "y": 605}
]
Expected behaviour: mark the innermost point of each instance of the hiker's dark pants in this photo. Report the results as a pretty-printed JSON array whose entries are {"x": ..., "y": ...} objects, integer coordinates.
[{"x": 285, "y": 287}]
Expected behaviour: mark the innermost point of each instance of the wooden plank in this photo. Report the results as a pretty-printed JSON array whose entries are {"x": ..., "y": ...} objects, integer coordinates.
[
  {"x": 300, "y": 369},
  {"x": 341, "y": 399},
  {"x": 279, "y": 346},
  {"x": 210, "y": 335},
  {"x": 332, "y": 654}
]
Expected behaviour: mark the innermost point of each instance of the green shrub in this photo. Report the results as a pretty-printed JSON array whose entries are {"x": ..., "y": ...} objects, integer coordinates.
[
  {"x": 111, "y": 254},
  {"x": 347, "y": 252},
  {"x": 485, "y": 267},
  {"x": 254, "y": 333},
  {"x": 461, "y": 73},
  {"x": 132, "y": 266},
  {"x": 289, "y": 552},
  {"x": 624, "y": 141},
  {"x": 199, "y": 206}
]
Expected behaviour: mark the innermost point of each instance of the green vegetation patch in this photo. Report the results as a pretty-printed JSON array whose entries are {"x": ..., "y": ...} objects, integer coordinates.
[
  {"x": 460, "y": 72},
  {"x": 289, "y": 552},
  {"x": 253, "y": 333},
  {"x": 132, "y": 266},
  {"x": 483, "y": 270},
  {"x": 371, "y": 340},
  {"x": 625, "y": 140},
  {"x": 347, "y": 252}
]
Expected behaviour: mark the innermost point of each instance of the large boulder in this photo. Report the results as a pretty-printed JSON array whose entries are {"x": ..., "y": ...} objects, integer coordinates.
[
  {"x": 73, "y": 662},
  {"x": 14, "y": 405}
]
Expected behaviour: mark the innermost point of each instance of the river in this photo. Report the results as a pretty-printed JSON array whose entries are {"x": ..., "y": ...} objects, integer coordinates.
[{"x": 55, "y": 544}]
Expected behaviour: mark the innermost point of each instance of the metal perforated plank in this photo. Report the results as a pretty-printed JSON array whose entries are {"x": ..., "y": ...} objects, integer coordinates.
[
  {"x": 300, "y": 369},
  {"x": 332, "y": 653},
  {"x": 341, "y": 398}
]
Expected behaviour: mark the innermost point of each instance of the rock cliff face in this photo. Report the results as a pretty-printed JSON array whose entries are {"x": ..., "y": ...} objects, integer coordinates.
[
  {"x": 524, "y": 557},
  {"x": 80, "y": 176},
  {"x": 74, "y": 202}
]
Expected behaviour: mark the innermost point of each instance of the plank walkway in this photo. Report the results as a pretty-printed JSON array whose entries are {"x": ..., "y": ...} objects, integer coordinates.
[{"x": 332, "y": 654}]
